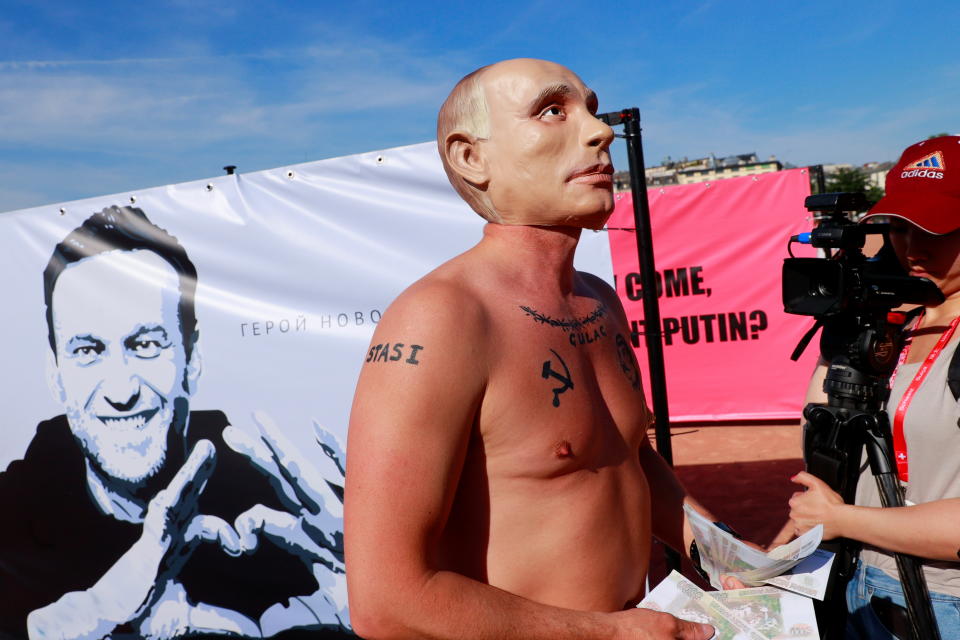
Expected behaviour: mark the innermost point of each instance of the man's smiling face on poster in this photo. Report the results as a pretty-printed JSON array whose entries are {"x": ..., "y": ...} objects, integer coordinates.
[{"x": 120, "y": 366}]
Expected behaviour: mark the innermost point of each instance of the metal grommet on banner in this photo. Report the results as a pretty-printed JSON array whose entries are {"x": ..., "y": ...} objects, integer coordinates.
[
  {"x": 63, "y": 211},
  {"x": 290, "y": 174},
  {"x": 133, "y": 199},
  {"x": 209, "y": 186},
  {"x": 381, "y": 159}
]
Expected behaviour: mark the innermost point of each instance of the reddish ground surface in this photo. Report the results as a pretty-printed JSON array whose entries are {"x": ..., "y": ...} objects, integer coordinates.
[{"x": 741, "y": 472}]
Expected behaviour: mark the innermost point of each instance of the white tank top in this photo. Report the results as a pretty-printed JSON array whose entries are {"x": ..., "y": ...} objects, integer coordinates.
[{"x": 932, "y": 431}]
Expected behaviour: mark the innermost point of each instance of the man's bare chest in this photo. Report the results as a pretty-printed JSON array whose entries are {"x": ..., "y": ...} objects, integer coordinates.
[{"x": 563, "y": 392}]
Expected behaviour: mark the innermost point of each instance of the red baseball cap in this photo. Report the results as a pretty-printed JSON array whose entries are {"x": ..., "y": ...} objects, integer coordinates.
[{"x": 924, "y": 186}]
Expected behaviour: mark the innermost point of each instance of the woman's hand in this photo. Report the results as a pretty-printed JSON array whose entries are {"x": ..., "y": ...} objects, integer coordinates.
[{"x": 818, "y": 504}]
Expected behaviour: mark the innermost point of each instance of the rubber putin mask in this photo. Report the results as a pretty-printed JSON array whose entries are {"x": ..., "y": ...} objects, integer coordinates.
[{"x": 521, "y": 143}]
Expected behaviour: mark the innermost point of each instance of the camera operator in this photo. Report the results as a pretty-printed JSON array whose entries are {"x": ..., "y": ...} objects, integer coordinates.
[{"x": 922, "y": 203}]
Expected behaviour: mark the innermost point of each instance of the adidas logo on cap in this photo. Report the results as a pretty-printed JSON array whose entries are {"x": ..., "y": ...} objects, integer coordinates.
[
  {"x": 921, "y": 190},
  {"x": 930, "y": 166}
]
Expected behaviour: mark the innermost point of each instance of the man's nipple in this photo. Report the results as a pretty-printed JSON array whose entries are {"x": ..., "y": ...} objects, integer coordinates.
[{"x": 563, "y": 449}]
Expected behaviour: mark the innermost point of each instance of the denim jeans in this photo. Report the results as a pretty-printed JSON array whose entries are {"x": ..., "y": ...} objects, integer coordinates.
[{"x": 862, "y": 622}]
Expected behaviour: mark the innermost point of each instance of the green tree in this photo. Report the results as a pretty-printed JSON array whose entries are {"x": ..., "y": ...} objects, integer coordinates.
[
  {"x": 854, "y": 180},
  {"x": 937, "y": 135}
]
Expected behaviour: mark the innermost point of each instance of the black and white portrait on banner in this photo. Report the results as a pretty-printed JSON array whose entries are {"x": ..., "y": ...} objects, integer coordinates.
[{"x": 134, "y": 514}]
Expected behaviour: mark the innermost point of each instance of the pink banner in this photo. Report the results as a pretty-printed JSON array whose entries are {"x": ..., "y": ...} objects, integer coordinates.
[{"x": 719, "y": 248}]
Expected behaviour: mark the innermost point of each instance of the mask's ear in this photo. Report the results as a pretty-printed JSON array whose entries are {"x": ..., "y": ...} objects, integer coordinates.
[
  {"x": 54, "y": 381},
  {"x": 465, "y": 155},
  {"x": 192, "y": 373}
]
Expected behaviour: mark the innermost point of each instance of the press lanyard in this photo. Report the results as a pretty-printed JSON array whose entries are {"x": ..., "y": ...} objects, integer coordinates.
[{"x": 899, "y": 440}]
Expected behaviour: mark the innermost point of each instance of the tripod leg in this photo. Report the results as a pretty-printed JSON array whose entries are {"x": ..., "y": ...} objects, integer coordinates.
[
  {"x": 923, "y": 623},
  {"x": 832, "y": 452}
]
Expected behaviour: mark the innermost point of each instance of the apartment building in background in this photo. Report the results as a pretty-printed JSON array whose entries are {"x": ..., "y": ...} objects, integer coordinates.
[{"x": 701, "y": 170}]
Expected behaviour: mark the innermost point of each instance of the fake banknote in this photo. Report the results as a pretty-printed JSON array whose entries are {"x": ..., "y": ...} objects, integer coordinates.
[
  {"x": 723, "y": 554},
  {"x": 775, "y": 613},
  {"x": 809, "y": 578},
  {"x": 678, "y": 596},
  {"x": 760, "y": 613}
]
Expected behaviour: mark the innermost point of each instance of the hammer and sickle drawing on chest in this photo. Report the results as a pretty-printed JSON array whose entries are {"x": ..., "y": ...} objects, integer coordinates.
[{"x": 564, "y": 378}]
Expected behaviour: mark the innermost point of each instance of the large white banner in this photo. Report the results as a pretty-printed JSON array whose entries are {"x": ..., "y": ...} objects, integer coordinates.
[{"x": 110, "y": 398}]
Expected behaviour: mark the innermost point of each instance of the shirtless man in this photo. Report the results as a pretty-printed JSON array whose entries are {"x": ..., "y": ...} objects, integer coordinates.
[{"x": 500, "y": 483}]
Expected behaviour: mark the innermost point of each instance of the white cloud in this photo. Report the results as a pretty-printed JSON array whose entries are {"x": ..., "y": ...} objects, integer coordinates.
[
  {"x": 187, "y": 102},
  {"x": 180, "y": 117}
]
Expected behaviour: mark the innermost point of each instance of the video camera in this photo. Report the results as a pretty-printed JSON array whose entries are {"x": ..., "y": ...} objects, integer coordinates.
[{"x": 848, "y": 293}]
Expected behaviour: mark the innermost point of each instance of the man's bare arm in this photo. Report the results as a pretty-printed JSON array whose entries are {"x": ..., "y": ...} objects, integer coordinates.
[
  {"x": 667, "y": 499},
  {"x": 412, "y": 419}
]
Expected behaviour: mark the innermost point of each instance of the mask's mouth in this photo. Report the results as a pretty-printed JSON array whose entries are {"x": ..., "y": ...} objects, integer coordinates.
[
  {"x": 592, "y": 174},
  {"x": 133, "y": 421}
]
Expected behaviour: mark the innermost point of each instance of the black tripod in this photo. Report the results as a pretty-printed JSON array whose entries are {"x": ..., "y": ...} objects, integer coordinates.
[{"x": 834, "y": 439}]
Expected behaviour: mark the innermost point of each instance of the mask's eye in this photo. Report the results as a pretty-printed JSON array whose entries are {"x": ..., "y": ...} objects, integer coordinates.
[{"x": 553, "y": 111}]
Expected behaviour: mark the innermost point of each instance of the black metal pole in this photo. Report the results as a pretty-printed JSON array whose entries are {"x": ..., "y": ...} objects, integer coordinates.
[
  {"x": 819, "y": 177},
  {"x": 652, "y": 332}
]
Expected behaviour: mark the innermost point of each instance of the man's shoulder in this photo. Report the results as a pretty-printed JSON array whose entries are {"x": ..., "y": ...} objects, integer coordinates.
[
  {"x": 599, "y": 288},
  {"x": 436, "y": 331},
  {"x": 53, "y": 430},
  {"x": 46, "y": 482},
  {"x": 444, "y": 298},
  {"x": 51, "y": 446}
]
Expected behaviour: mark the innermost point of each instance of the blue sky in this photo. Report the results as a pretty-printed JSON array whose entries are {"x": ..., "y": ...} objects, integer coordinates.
[{"x": 98, "y": 98}]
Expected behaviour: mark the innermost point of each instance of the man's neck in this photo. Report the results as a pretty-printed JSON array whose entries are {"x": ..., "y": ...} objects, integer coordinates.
[
  {"x": 114, "y": 500},
  {"x": 536, "y": 254}
]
